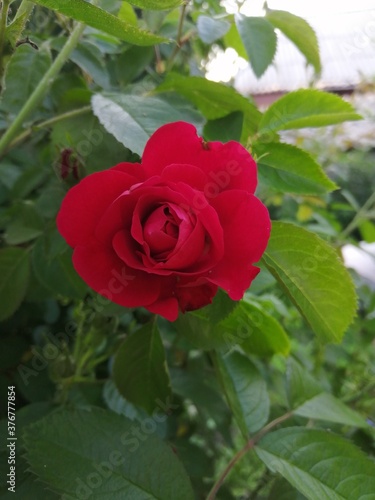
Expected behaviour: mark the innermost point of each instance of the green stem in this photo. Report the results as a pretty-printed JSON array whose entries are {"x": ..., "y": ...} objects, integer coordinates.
[
  {"x": 179, "y": 35},
  {"x": 249, "y": 446},
  {"x": 48, "y": 123},
  {"x": 3, "y": 27},
  {"x": 358, "y": 217},
  {"x": 42, "y": 88}
]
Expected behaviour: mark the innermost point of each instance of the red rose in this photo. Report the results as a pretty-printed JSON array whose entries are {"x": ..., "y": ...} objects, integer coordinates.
[{"x": 166, "y": 233}]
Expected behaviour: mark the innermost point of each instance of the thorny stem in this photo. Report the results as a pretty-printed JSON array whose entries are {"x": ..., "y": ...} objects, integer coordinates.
[
  {"x": 40, "y": 91},
  {"x": 249, "y": 446}
]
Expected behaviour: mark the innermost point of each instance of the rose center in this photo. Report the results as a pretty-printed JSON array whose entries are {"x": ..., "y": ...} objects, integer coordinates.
[{"x": 166, "y": 228}]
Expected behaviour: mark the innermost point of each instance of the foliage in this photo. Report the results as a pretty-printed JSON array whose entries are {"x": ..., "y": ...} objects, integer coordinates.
[{"x": 113, "y": 402}]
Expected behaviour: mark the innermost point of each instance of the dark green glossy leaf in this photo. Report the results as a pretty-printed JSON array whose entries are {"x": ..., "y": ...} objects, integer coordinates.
[
  {"x": 140, "y": 370},
  {"x": 321, "y": 465},
  {"x": 102, "y": 457},
  {"x": 14, "y": 272},
  {"x": 52, "y": 263},
  {"x": 32, "y": 65},
  {"x": 246, "y": 391}
]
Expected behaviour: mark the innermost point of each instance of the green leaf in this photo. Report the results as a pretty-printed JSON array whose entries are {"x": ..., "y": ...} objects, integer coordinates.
[
  {"x": 222, "y": 305},
  {"x": 52, "y": 263},
  {"x": 133, "y": 119},
  {"x": 248, "y": 327},
  {"x": 246, "y": 391},
  {"x": 127, "y": 14},
  {"x": 321, "y": 465},
  {"x": 299, "y": 32},
  {"x": 282, "y": 490},
  {"x": 32, "y": 65},
  {"x": 156, "y": 4},
  {"x": 100, "y": 19},
  {"x": 214, "y": 100},
  {"x": 325, "y": 406},
  {"x": 14, "y": 30},
  {"x": 25, "y": 225},
  {"x": 367, "y": 230},
  {"x": 104, "y": 455},
  {"x": 314, "y": 277},
  {"x": 233, "y": 39},
  {"x": 117, "y": 403},
  {"x": 89, "y": 58},
  {"x": 300, "y": 384},
  {"x": 90, "y": 141},
  {"x": 306, "y": 108},
  {"x": 228, "y": 128},
  {"x": 199, "y": 385},
  {"x": 288, "y": 169},
  {"x": 259, "y": 39},
  {"x": 14, "y": 272},
  {"x": 255, "y": 331},
  {"x": 210, "y": 29},
  {"x": 140, "y": 370},
  {"x": 131, "y": 63}
]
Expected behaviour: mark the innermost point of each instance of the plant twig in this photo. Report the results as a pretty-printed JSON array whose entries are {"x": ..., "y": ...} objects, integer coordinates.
[
  {"x": 180, "y": 29},
  {"x": 249, "y": 446},
  {"x": 40, "y": 91},
  {"x": 361, "y": 214},
  {"x": 47, "y": 123}
]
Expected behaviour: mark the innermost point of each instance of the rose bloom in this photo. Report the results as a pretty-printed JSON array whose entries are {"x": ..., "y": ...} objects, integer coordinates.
[{"x": 166, "y": 233}]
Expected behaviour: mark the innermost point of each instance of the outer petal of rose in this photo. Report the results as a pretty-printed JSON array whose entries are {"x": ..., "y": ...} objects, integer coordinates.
[
  {"x": 134, "y": 169},
  {"x": 168, "y": 308},
  {"x": 85, "y": 203},
  {"x": 189, "y": 174},
  {"x": 228, "y": 166},
  {"x": 195, "y": 295},
  {"x": 246, "y": 226},
  {"x": 103, "y": 271}
]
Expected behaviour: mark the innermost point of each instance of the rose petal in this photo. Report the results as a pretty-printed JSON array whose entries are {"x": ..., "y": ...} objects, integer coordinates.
[
  {"x": 227, "y": 166},
  {"x": 85, "y": 203},
  {"x": 168, "y": 308},
  {"x": 102, "y": 270},
  {"x": 154, "y": 233},
  {"x": 189, "y": 174},
  {"x": 116, "y": 220},
  {"x": 246, "y": 227},
  {"x": 195, "y": 295}
]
